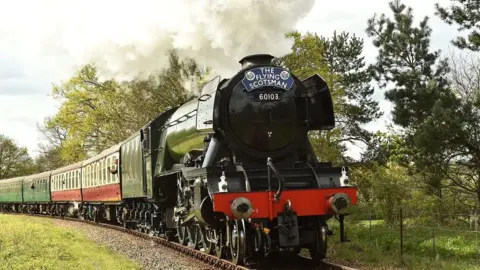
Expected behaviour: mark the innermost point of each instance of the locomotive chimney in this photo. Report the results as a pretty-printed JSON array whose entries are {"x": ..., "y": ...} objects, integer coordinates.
[{"x": 256, "y": 59}]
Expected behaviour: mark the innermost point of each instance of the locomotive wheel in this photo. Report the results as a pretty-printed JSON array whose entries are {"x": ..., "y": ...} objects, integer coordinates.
[
  {"x": 194, "y": 236},
  {"x": 221, "y": 249},
  {"x": 96, "y": 215},
  {"x": 238, "y": 241},
  {"x": 61, "y": 212},
  {"x": 182, "y": 233},
  {"x": 318, "y": 251},
  {"x": 124, "y": 216},
  {"x": 205, "y": 234}
]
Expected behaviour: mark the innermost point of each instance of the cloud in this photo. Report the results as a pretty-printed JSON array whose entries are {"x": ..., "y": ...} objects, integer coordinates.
[
  {"x": 9, "y": 68},
  {"x": 19, "y": 115},
  {"x": 125, "y": 40}
]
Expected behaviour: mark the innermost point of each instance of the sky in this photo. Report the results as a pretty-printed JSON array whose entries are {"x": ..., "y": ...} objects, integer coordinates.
[{"x": 43, "y": 41}]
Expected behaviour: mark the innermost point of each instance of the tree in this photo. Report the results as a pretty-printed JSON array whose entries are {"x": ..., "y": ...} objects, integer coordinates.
[
  {"x": 14, "y": 160},
  {"x": 338, "y": 60},
  {"x": 49, "y": 158},
  {"x": 460, "y": 146},
  {"x": 405, "y": 59},
  {"x": 440, "y": 126},
  {"x": 465, "y": 14}
]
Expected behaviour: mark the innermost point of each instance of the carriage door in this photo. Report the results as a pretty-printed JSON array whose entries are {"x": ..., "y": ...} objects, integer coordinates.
[{"x": 147, "y": 157}]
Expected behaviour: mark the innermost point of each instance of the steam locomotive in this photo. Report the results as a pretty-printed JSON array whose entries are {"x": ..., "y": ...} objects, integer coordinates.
[{"x": 232, "y": 172}]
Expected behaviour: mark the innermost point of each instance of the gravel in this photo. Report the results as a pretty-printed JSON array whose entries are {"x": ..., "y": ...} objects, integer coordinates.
[{"x": 148, "y": 254}]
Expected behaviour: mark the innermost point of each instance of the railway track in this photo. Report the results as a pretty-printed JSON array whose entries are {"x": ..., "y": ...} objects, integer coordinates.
[{"x": 297, "y": 262}]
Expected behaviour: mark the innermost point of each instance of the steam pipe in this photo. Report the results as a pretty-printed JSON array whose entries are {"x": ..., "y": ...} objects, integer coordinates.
[{"x": 212, "y": 151}]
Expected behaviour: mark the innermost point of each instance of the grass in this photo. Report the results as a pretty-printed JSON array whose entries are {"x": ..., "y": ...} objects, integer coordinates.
[
  {"x": 378, "y": 247},
  {"x": 34, "y": 243}
]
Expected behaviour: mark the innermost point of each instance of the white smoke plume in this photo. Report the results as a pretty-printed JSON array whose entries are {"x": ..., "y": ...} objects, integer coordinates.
[{"x": 130, "y": 38}]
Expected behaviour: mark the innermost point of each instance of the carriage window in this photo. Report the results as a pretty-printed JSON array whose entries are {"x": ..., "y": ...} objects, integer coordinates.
[
  {"x": 97, "y": 173},
  {"x": 84, "y": 177},
  {"x": 87, "y": 176},
  {"x": 97, "y": 170},
  {"x": 94, "y": 174},
  {"x": 112, "y": 176},
  {"x": 91, "y": 175},
  {"x": 101, "y": 172},
  {"x": 105, "y": 170},
  {"x": 89, "y": 172},
  {"x": 105, "y": 173},
  {"x": 107, "y": 164}
]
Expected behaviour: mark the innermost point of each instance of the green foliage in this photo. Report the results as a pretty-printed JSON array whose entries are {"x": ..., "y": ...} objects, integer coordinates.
[
  {"x": 375, "y": 245},
  {"x": 338, "y": 60},
  {"x": 14, "y": 160},
  {"x": 388, "y": 147},
  {"x": 32, "y": 243},
  {"x": 383, "y": 189},
  {"x": 465, "y": 14}
]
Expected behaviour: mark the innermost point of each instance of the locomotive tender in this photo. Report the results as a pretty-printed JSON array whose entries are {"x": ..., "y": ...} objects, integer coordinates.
[{"x": 231, "y": 172}]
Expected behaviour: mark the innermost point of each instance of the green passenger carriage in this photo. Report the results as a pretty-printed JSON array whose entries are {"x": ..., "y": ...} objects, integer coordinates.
[
  {"x": 36, "y": 192},
  {"x": 11, "y": 193}
]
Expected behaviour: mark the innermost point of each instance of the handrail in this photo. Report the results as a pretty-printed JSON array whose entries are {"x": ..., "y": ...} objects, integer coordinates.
[{"x": 279, "y": 177}]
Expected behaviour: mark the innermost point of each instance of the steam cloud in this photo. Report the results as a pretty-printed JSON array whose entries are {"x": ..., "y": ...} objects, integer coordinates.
[{"x": 131, "y": 38}]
